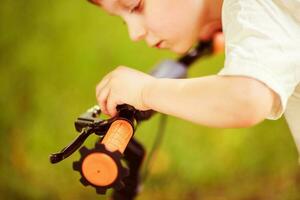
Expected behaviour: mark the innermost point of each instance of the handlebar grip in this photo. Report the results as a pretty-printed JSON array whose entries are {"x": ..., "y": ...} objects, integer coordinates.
[{"x": 118, "y": 136}]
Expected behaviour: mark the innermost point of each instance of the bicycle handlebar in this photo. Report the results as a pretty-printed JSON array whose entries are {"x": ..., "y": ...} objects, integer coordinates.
[{"x": 101, "y": 166}]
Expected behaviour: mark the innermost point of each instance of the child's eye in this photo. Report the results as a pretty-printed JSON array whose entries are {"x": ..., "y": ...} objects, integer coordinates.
[{"x": 137, "y": 8}]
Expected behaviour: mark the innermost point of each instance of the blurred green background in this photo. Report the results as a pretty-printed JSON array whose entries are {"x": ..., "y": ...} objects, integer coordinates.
[{"x": 52, "y": 55}]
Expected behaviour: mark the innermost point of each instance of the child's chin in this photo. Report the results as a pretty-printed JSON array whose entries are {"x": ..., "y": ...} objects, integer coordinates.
[{"x": 180, "y": 51}]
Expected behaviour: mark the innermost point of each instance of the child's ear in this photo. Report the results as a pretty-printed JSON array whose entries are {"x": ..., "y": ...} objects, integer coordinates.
[{"x": 218, "y": 43}]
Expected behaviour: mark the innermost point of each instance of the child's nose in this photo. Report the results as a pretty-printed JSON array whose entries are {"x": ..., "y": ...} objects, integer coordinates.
[{"x": 136, "y": 30}]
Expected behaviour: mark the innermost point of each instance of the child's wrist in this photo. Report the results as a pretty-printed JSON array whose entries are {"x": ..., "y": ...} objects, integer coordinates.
[{"x": 146, "y": 93}]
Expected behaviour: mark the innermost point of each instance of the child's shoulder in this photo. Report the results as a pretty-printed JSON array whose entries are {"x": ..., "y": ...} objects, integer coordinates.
[
  {"x": 279, "y": 20},
  {"x": 262, "y": 40}
]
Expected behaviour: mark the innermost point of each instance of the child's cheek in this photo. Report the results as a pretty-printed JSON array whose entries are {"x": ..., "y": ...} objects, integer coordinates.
[
  {"x": 176, "y": 22},
  {"x": 162, "y": 28},
  {"x": 161, "y": 15}
]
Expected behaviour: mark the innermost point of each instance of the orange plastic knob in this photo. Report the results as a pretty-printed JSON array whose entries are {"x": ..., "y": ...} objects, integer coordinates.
[{"x": 99, "y": 169}]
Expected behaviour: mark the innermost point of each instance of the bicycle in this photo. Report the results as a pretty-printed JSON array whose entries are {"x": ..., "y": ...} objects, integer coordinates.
[{"x": 101, "y": 167}]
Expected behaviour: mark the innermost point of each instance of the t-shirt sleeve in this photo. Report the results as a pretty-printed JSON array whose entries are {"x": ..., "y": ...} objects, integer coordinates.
[{"x": 262, "y": 43}]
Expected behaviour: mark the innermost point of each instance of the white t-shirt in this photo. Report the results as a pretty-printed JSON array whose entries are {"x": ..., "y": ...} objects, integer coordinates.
[{"x": 262, "y": 39}]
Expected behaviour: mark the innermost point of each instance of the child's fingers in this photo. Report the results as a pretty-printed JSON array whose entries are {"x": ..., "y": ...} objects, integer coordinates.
[
  {"x": 99, "y": 90},
  {"x": 111, "y": 106},
  {"x": 102, "y": 84},
  {"x": 102, "y": 99}
]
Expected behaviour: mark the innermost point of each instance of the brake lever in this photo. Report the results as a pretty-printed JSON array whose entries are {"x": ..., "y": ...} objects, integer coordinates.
[
  {"x": 71, "y": 148},
  {"x": 87, "y": 124}
]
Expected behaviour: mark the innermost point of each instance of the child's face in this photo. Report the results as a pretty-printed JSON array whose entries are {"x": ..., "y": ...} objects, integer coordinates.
[{"x": 169, "y": 24}]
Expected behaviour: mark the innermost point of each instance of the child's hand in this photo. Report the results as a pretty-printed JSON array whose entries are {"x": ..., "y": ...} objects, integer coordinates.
[{"x": 122, "y": 86}]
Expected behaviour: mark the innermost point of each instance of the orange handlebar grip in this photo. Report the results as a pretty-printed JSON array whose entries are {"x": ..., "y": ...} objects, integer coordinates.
[{"x": 118, "y": 136}]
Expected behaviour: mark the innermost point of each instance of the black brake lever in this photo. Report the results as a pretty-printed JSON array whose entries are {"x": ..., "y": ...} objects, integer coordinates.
[
  {"x": 70, "y": 149},
  {"x": 89, "y": 123},
  {"x": 86, "y": 124}
]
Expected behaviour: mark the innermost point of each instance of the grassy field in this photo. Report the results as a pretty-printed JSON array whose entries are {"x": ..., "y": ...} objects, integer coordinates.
[{"x": 52, "y": 55}]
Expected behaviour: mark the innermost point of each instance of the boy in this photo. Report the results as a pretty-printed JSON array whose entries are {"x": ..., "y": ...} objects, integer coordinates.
[{"x": 260, "y": 79}]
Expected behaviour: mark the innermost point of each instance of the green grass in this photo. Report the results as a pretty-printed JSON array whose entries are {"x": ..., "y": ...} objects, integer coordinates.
[{"x": 53, "y": 53}]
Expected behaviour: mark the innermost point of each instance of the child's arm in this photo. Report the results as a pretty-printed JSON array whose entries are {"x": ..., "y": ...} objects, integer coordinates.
[{"x": 217, "y": 101}]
